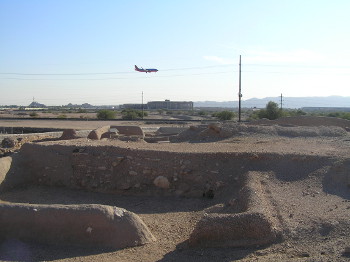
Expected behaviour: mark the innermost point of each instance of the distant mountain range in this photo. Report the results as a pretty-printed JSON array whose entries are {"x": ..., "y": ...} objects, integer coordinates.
[{"x": 287, "y": 102}]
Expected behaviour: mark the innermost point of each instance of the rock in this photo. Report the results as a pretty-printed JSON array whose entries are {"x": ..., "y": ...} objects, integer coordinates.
[
  {"x": 9, "y": 142},
  {"x": 147, "y": 171},
  {"x": 117, "y": 161},
  {"x": 219, "y": 184},
  {"x": 124, "y": 186},
  {"x": 68, "y": 134},
  {"x": 161, "y": 182},
  {"x": 132, "y": 173}
]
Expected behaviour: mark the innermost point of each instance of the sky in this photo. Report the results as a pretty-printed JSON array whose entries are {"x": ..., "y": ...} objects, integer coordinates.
[{"x": 61, "y": 51}]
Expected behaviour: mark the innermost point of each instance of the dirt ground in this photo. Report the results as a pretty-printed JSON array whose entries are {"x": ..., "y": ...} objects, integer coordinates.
[{"x": 314, "y": 210}]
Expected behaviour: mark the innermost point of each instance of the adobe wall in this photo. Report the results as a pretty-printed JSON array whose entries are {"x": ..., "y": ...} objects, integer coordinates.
[{"x": 132, "y": 171}]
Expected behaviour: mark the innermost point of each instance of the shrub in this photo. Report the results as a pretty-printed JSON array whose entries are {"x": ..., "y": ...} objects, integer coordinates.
[
  {"x": 270, "y": 112},
  {"x": 62, "y": 116},
  {"x": 34, "y": 114},
  {"x": 224, "y": 115},
  {"x": 106, "y": 114},
  {"x": 131, "y": 114}
]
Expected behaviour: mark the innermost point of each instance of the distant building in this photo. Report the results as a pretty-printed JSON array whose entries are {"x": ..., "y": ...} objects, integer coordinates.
[
  {"x": 133, "y": 106},
  {"x": 326, "y": 109},
  {"x": 170, "y": 105},
  {"x": 167, "y": 105}
]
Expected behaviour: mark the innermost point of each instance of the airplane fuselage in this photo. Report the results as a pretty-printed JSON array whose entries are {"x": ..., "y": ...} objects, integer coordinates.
[{"x": 147, "y": 70}]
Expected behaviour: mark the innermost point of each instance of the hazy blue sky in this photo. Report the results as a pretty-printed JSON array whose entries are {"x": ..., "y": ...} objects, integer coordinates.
[{"x": 84, "y": 51}]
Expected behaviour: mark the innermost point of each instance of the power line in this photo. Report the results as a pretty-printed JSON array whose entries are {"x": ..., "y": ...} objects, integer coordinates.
[
  {"x": 298, "y": 66},
  {"x": 109, "y": 73},
  {"x": 114, "y": 78}
]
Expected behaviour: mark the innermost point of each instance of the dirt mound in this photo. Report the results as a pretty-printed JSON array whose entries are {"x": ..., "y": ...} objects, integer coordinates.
[
  {"x": 217, "y": 132},
  {"x": 305, "y": 121}
]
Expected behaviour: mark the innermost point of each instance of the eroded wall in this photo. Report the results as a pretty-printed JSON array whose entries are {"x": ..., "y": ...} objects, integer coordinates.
[{"x": 123, "y": 170}]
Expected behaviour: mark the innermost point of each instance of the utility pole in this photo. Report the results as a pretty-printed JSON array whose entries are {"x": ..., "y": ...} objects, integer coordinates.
[
  {"x": 239, "y": 92},
  {"x": 281, "y": 101},
  {"x": 142, "y": 104}
]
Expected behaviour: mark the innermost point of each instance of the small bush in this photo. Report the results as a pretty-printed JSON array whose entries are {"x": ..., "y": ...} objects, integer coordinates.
[
  {"x": 106, "y": 114},
  {"x": 131, "y": 114},
  {"x": 33, "y": 114},
  {"x": 62, "y": 116},
  {"x": 224, "y": 115}
]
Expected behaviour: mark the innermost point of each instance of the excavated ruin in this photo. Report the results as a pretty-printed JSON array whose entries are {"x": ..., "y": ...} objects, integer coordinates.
[{"x": 237, "y": 188}]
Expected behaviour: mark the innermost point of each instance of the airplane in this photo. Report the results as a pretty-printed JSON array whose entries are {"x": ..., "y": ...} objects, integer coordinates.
[{"x": 149, "y": 70}]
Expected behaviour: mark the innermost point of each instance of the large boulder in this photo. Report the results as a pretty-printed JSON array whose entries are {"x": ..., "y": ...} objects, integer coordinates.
[{"x": 79, "y": 225}]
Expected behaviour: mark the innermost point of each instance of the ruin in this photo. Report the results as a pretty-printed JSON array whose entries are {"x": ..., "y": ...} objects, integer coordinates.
[{"x": 237, "y": 193}]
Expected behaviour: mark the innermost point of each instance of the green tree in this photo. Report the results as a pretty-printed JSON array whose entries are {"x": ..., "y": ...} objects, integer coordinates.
[
  {"x": 106, "y": 114},
  {"x": 272, "y": 111}
]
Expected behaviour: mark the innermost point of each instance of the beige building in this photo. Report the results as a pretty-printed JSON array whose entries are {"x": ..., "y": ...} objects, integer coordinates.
[
  {"x": 171, "y": 105},
  {"x": 167, "y": 105}
]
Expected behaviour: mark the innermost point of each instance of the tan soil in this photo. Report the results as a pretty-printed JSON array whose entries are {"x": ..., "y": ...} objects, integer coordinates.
[{"x": 315, "y": 216}]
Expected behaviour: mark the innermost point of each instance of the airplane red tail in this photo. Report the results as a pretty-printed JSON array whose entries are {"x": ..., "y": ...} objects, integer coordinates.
[{"x": 136, "y": 68}]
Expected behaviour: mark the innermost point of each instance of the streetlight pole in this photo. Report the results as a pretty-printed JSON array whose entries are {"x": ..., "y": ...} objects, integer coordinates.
[
  {"x": 239, "y": 92},
  {"x": 142, "y": 104}
]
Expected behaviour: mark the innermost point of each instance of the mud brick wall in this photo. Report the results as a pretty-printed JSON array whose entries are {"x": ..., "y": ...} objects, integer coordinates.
[{"x": 132, "y": 171}]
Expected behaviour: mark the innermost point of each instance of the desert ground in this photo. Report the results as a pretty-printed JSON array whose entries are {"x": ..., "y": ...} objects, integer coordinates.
[{"x": 300, "y": 167}]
